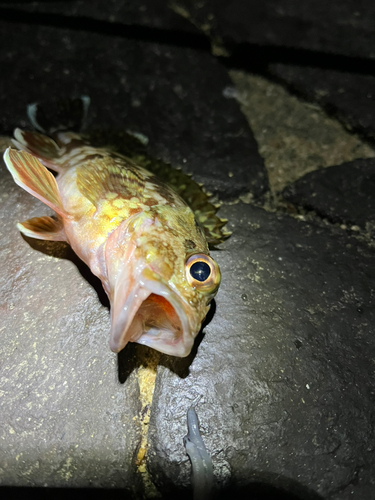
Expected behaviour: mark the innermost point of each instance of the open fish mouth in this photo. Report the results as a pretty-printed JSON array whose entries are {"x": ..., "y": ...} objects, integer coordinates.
[{"x": 152, "y": 314}]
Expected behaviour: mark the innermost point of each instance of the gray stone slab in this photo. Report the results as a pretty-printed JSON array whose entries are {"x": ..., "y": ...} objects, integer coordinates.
[
  {"x": 343, "y": 193},
  {"x": 293, "y": 137},
  {"x": 283, "y": 379},
  {"x": 347, "y": 95},
  {"x": 173, "y": 96},
  {"x": 65, "y": 418}
]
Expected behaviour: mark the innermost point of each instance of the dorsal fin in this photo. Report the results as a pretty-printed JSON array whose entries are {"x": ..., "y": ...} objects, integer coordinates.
[{"x": 197, "y": 199}]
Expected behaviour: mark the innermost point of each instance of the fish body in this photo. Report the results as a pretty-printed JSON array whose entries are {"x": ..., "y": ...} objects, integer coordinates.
[{"x": 135, "y": 233}]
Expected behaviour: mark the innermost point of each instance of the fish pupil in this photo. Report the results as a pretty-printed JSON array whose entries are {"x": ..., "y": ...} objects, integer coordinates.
[{"x": 200, "y": 271}]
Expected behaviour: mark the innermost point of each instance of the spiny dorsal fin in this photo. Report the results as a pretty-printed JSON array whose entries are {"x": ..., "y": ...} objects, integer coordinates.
[
  {"x": 194, "y": 195},
  {"x": 34, "y": 178},
  {"x": 43, "y": 228}
]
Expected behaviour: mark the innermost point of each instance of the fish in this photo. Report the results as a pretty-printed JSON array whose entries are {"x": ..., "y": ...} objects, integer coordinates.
[{"x": 145, "y": 236}]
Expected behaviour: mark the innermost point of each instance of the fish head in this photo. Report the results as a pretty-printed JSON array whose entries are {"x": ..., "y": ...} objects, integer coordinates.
[{"x": 160, "y": 280}]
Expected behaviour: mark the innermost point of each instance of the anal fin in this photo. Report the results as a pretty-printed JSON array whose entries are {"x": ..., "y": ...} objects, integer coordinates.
[
  {"x": 33, "y": 177},
  {"x": 43, "y": 228}
]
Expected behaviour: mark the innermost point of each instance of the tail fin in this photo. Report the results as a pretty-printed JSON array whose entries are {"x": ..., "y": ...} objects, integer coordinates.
[
  {"x": 59, "y": 115},
  {"x": 57, "y": 118}
]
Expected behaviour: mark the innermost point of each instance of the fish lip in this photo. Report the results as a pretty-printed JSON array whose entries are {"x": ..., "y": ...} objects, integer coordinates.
[
  {"x": 150, "y": 283},
  {"x": 183, "y": 345},
  {"x": 122, "y": 320}
]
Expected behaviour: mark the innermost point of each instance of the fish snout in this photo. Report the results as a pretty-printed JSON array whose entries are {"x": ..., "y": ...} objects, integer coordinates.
[{"x": 148, "y": 310}]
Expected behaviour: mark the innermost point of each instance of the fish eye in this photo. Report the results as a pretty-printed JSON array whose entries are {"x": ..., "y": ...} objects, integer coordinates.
[
  {"x": 203, "y": 273},
  {"x": 200, "y": 270}
]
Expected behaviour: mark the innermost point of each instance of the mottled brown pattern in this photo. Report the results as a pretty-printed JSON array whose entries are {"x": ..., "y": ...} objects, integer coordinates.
[
  {"x": 181, "y": 183},
  {"x": 99, "y": 176}
]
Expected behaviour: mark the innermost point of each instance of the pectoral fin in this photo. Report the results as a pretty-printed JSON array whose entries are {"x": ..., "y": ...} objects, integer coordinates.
[
  {"x": 34, "y": 178},
  {"x": 43, "y": 228}
]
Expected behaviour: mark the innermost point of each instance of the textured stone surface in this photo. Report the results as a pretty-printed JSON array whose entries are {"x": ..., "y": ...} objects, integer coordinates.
[
  {"x": 348, "y": 95},
  {"x": 293, "y": 136},
  {"x": 143, "y": 13},
  {"x": 344, "y": 27},
  {"x": 344, "y": 193},
  {"x": 173, "y": 96},
  {"x": 65, "y": 418},
  {"x": 285, "y": 368}
]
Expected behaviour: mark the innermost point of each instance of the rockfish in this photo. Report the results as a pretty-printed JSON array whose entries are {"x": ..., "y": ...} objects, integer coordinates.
[{"x": 143, "y": 237}]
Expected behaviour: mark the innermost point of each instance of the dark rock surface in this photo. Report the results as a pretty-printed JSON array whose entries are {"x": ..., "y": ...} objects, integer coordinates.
[
  {"x": 143, "y": 13},
  {"x": 283, "y": 382},
  {"x": 344, "y": 27},
  {"x": 348, "y": 95},
  {"x": 173, "y": 96},
  {"x": 344, "y": 193}
]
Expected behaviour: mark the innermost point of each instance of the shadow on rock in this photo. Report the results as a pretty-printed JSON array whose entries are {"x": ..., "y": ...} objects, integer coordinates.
[
  {"x": 263, "y": 491},
  {"x": 35, "y": 493},
  {"x": 257, "y": 490}
]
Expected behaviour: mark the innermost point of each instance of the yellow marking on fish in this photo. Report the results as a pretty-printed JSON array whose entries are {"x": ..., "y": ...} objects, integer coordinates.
[
  {"x": 111, "y": 196},
  {"x": 118, "y": 203}
]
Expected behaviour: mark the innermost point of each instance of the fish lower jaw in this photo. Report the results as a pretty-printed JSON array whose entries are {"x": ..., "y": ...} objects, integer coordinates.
[
  {"x": 155, "y": 318},
  {"x": 167, "y": 342}
]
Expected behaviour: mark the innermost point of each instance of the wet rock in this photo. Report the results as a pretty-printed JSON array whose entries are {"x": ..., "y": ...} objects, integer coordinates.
[
  {"x": 66, "y": 419},
  {"x": 344, "y": 193},
  {"x": 283, "y": 378},
  {"x": 348, "y": 95}
]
